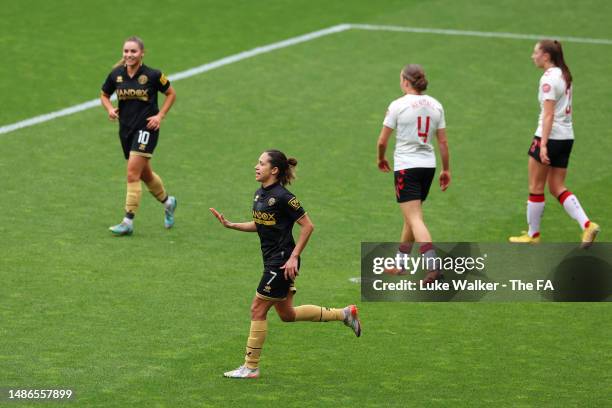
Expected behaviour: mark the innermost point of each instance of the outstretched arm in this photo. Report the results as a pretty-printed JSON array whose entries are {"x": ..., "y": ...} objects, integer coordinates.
[
  {"x": 239, "y": 226},
  {"x": 306, "y": 228}
]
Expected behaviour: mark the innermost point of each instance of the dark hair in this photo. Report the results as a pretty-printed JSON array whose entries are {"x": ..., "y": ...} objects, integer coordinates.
[
  {"x": 135, "y": 39},
  {"x": 554, "y": 49},
  {"x": 414, "y": 74},
  {"x": 286, "y": 166}
]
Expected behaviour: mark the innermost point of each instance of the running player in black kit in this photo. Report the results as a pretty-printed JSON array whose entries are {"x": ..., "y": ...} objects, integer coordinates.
[
  {"x": 136, "y": 86},
  {"x": 275, "y": 210}
]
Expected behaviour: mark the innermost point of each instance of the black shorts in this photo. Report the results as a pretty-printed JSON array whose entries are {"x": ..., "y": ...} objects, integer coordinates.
[
  {"x": 273, "y": 285},
  {"x": 558, "y": 151},
  {"x": 413, "y": 184},
  {"x": 141, "y": 142}
]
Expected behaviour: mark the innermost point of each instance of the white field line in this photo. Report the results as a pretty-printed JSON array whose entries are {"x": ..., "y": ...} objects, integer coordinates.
[
  {"x": 293, "y": 41},
  {"x": 182, "y": 75},
  {"x": 489, "y": 34}
]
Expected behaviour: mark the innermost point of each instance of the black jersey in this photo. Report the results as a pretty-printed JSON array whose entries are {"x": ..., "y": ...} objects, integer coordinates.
[
  {"x": 137, "y": 95},
  {"x": 275, "y": 210}
]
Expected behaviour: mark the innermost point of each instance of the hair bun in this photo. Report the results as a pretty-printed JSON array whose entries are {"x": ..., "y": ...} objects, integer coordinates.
[
  {"x": 415, "y": 74},
  {"x": 292, "y": 161}
]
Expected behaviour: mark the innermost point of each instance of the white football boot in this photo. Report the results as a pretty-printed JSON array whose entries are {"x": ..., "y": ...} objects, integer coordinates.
[{"x": 243, "y": 372}]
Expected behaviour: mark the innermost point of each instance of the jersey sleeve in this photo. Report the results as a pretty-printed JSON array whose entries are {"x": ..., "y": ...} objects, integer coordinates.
[
  {"x": 391, "y": 116},
  {"x": 442, "y": 122},
  {"x": 293, "y": 207},
  {"x": 109, "y": 86},
  {"x": 161, "y": 81},
  {"x": 549, "y": 89}
]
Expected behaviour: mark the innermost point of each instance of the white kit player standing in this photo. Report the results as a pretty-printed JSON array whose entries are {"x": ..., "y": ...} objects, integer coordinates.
[
  {"x": 416, "y": 118},
  {"x": 552, "y": 144}
]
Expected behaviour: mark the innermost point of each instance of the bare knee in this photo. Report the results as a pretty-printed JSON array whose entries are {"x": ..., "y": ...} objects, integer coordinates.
[
  {"x": 287, "y": 315},
  {"x": 258, "y": 311},
  {"x": 147, "y": 175},
  {"x": 536, "y": 187},
  {"x": 556, "y": 189},
  {"x": 133, "y": 174},
  {"x": 412, "y": 220},
  {"x": 133, "y": 177}
]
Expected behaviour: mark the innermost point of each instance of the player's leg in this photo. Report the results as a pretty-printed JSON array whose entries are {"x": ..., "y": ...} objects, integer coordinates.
[
  {"x": 535, "y": 204},
  {"x": 403, "y": 251},
  {"x": 156, "y": 188},
  {"x": 135, "y": 166},
  {"x": 255, "y": 341},
  {"x": 407, "y": 236},
  {"x": 416, "y": 192},
  {"x": 413, "y": 217},
  {"x": 285, "y": 309},
  {"x": 349, "y": 315},
  {"x": 537, "y": 173},
  {"x": 413, "y": 214},
  {"x": 556, "y": 184}
]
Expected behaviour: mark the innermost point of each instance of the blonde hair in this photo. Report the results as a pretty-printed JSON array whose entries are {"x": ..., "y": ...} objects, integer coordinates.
[{"x": 135, "y": 39}]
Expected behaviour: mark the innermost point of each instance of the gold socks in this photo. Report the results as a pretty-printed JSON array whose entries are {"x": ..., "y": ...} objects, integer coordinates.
[
  {"x": 313, "y": 313},
  {"x": 132, "y": 198},
  {"x": 156, "y": 188},
  {"x": 257, "y": 337}
]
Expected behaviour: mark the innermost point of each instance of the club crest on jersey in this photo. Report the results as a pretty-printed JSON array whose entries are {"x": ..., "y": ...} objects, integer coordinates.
[
  {"x": 545, "y": 87},
  {"x": 143, "y": 79},
  {"x": 271, "y": 201},
  {"x": 119, "y": 79},
  {"x": 294, "y": 203}
]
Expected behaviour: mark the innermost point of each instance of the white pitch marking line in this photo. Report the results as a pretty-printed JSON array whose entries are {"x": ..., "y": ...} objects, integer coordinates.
[
  {"x": 182, "y": 75},
  {"x": 293, "y": 41},
  {"x": 488, "y": 34}
]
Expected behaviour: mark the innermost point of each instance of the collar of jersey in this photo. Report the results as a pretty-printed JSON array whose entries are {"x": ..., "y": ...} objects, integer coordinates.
[
  {"x": 138, "y": 71},
  {"x": 270, "y": 187}
]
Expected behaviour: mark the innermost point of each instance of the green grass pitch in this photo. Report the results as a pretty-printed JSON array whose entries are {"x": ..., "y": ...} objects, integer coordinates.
[{"x": 153, "y": 320}]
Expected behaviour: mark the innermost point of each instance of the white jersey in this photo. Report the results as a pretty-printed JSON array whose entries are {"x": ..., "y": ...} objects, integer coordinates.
[
  {"x": 415, "y": 119},
  {"x": 553, "y": 87}
]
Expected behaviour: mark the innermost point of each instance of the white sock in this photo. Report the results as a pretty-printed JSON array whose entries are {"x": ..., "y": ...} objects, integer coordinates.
[
  {"x": 402, "y": 255},
  {"x": 535, "y": 209},
  {"x": 429, "y": 257},
  {"x": 128, "y": 221},
  {"x": 573, "y": 208}
]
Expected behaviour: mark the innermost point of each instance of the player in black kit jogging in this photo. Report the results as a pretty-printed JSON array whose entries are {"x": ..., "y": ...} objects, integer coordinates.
[
  {"x": 136, "y": 86},
  {"x": 275, "y": 210}
]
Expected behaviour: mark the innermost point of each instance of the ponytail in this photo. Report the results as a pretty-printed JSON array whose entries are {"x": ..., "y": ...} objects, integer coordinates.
[
  {"x": 555, "y": 51},
  {"x": 286, "y": 166},
  {"x": 414, "y": 74},
  {"x": 119, "y": 63}
]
